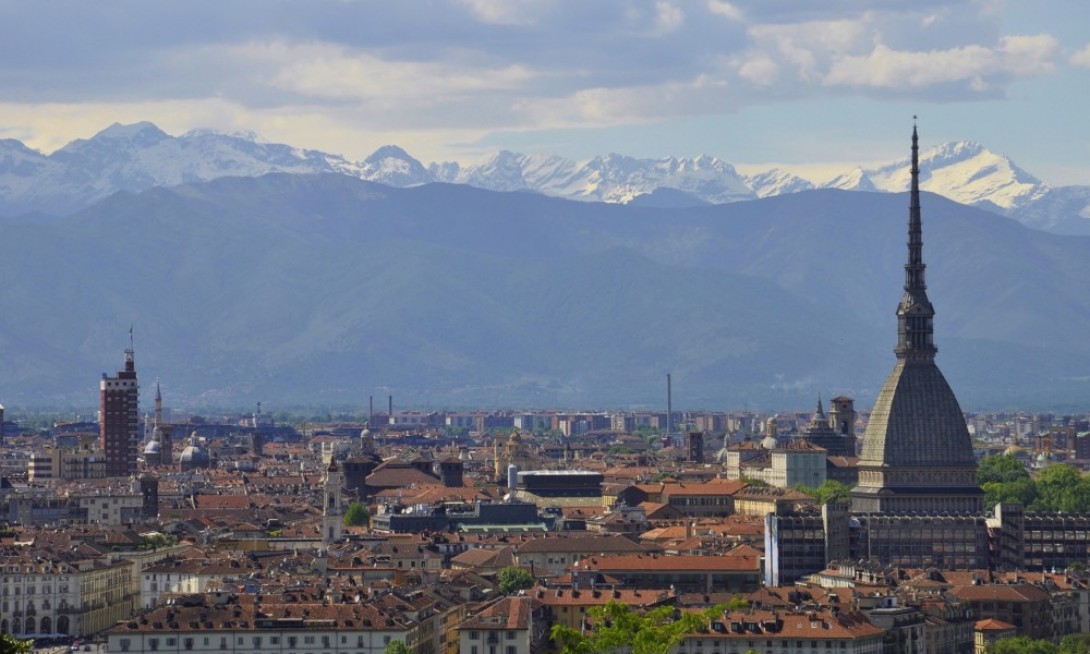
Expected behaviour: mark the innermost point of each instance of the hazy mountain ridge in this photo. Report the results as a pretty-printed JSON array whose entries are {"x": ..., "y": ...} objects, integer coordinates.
[
  {"x": 140, "y": 156},
  {"x": 323, "y": 288}
]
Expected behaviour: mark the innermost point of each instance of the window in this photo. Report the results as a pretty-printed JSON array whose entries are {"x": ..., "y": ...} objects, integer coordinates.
[
  {"x": 187, "y": 643},
  {"x": 510, "y": 649},
  {"x": 510, "y": 635},
  {"x": 153, "y": 644},
  {"x": 171, "y": 642},
  {"x": 257, "y": 642},
  {"x": 275, "y": 640},
  {"x": 474, "y": 635},
  {"x": 308, "y": 640},
  {"x": 124, "y": 642}
]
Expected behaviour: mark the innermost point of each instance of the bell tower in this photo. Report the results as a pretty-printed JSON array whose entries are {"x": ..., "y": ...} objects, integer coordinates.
[{"x": 332, "y": 507}]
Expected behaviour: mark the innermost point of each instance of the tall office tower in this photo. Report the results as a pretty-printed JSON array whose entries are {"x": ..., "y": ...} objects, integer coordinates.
[
  {"x": 917, "y": 454},
  {"x": 119, "y": 418}
]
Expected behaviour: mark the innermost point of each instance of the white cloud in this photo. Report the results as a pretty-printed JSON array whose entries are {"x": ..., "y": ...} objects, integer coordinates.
[
  {"x": 1081, "y": 57},
  {"x": 882, "y": 67},
  {"x": 668, "y": 18},
  {"x": 760, "y": 70},
  {"x": 726, "y": 9},
  {"x": 504, "y": 12}
]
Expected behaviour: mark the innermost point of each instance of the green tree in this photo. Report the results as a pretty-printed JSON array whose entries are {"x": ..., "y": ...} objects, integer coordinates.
[
  {"x": 737, "y": 603},
  {"x": 1062, "y": 487},
  {"x": 11, "y": 645},
  {"x": 396, "y": 647},
  {"x": 1000, "y": 468},
  {"x": 1075, "y": 644},
  {"x": 829, "y": 491},
  {"x": 1021, "y": 491},
  {"x": 616, "y": 627},
  {"x": 513, "y": 578},
  {"x": 356, "y": 515},
  {"x": 1022, "y": 645}
]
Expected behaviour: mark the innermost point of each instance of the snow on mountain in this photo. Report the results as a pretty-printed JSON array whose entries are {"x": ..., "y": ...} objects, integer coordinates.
[
  {"x": 776, "y": 182},
  {"x": 393, "y": 166},
  {"x": 503, "y": 172},
  {"x": 965, "y": 172},
  {"x": 620, "y": 179},
  {"x": 140, "y": 156},
  {"x": 854, "y": 180}
]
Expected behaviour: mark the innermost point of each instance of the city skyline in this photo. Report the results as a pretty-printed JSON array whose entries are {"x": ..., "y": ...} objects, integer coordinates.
[{"x": 751, "y": 83}]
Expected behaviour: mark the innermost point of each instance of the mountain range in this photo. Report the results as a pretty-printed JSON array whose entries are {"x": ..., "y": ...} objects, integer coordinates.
[
  {"x": 323, "y": 288},
  {"x": 140, "y": 156}
]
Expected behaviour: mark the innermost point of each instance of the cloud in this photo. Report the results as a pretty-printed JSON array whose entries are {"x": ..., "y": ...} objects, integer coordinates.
[
  {"x": 464, "y": 68},
  {"x": 977, "y": 66},
  {"x": 668, "y": 18},
  {"x": 1081, "y": 57},
  {"x": 725, "y": 9}
]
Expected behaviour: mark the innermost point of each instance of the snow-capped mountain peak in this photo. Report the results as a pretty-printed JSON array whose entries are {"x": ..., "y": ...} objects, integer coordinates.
[
  {"x": 139, "y": 156},
  {"x": 393, "y": 166},
  {"x": 966, "y": 172}
]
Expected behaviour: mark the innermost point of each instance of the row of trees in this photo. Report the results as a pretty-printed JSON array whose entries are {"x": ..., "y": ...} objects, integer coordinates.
[
  {"x": 1073, "y": 644},
  {"x": 1059, "y": 487}
]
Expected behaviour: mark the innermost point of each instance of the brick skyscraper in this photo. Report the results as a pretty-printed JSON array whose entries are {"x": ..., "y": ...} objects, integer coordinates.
[{"x": 119, "y": 418}]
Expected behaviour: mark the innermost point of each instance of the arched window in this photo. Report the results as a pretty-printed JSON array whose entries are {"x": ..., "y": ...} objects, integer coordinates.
[
  {"x": 47, "y": 625},
  {"x": 62, "y": 624},
  {"x": 29, "y": 627}
]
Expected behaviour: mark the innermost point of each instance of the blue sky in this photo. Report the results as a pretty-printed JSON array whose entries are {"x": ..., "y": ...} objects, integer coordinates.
[{"x": 814, "y": 85}]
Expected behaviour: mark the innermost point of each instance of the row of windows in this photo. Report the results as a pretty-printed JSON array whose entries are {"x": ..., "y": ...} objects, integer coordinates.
[
  {"x": 257, "y": 642},
  {"x": 476, "y": 635}
]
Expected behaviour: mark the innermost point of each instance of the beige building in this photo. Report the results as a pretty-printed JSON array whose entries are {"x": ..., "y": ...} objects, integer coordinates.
[
  {"x": 40, "y": 596},
  {"x": 799, "y": 462},
  {"x": 505, "y": 626},
  {"x": 67, "y": 463},
  {"x": 786, "y": 632},
  {"x": 225, "y": 622}
]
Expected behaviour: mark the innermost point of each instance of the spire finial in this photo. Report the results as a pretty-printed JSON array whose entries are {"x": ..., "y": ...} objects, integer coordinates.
[{"x": 914, "y": 314}]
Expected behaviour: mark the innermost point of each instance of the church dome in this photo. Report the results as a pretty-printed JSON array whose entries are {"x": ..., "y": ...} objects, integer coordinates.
[
  {"x": 194, "y": 456},
  {"x": 152, "y": 447},
  {"x": 769, "y": 443}
]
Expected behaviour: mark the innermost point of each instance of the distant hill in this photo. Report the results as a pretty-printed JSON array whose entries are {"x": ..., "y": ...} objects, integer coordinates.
[{"x": 324, "y": 289}]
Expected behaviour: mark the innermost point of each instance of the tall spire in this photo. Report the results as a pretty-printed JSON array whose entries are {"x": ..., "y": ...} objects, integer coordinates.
[
  {"x": 915, "y": 328},
  {"x": 158, "y": 404}
]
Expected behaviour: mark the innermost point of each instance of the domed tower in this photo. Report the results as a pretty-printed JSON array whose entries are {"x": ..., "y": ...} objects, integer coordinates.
[
  {"x": 153, "y": 452},
  {"x": 193, "y": 456},
  {"x": 367, "y": 442},
  {"x": 917, "y": 454}
]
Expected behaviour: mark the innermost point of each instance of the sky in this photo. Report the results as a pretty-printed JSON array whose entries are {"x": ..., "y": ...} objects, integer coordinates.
[{"x": 810, "y": 85}]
